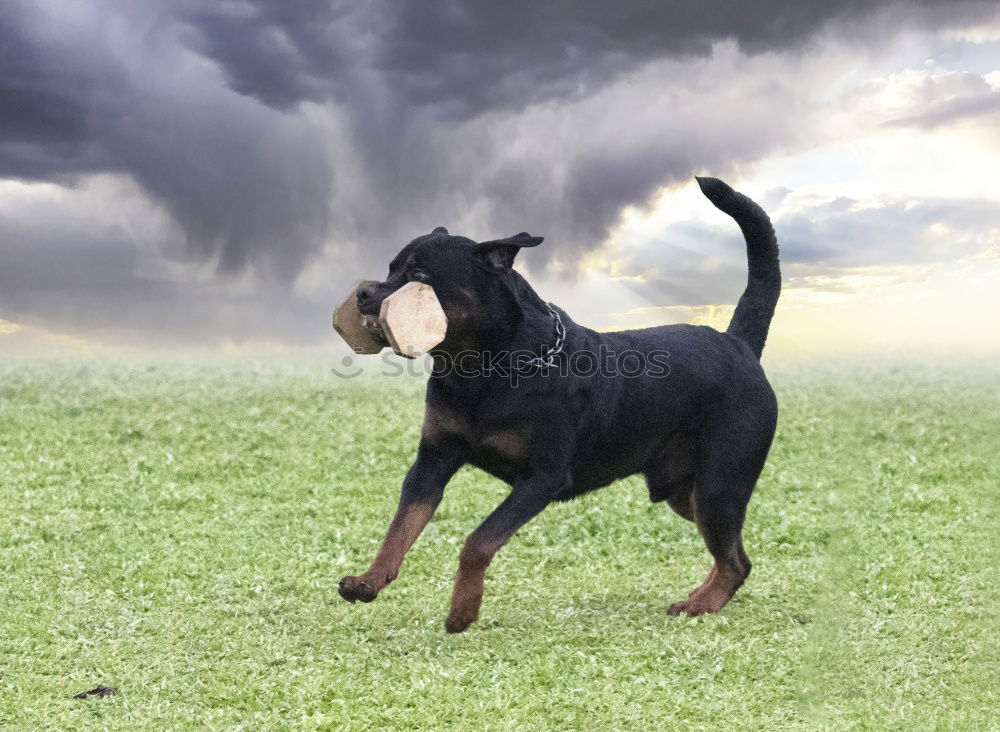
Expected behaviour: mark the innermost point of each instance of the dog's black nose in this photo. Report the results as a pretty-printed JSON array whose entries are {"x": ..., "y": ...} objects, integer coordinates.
[{"x": 365, "y": 294}]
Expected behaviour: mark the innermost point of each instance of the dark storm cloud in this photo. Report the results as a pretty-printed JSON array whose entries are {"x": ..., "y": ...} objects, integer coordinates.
[
  {"x": 407, "y": 74},
  {"x": 45, "y": 97},
  {"x": 111, "y": 91},
  {"x": 119, "y": 87},
  {"x": 279, "y": 52},
  {"x": 67, "y": 275},
  {"x": 272, "y": 132},
  {"x": 469, "y": 55}
]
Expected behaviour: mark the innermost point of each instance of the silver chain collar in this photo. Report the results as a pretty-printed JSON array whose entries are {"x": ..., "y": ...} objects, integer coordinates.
[{"x": 548, "y": 358}]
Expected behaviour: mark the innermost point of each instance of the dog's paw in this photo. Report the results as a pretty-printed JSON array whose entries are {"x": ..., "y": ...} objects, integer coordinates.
[
  {"x": 676, "y": 609},
  {"x": 698, "y": 604},
  {"x": 355, "y": 588},
  {"x": 459, "y": 620}
]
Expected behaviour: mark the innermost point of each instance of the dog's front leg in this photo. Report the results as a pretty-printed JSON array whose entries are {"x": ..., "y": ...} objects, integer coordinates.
[
  {"x": 422, "y": 491},
  {"x": 526, "y": 500}
]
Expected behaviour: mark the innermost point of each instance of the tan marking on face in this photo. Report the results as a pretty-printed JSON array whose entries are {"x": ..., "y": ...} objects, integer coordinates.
[
  {"x": 462, "y": 310},
  {"x": 441, "y": 423}
]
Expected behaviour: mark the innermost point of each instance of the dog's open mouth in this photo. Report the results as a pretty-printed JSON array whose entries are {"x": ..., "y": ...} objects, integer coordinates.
[
  {"x": 369, "y": 309},
  {"x": 370, "y": 323}
]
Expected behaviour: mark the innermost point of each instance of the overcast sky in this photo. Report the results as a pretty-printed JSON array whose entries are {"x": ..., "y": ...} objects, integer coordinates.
[{"x": 214, "y": 175}]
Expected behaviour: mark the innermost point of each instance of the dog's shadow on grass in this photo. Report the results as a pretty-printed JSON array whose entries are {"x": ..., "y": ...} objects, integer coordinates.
[{"x": 604, "y": 613}]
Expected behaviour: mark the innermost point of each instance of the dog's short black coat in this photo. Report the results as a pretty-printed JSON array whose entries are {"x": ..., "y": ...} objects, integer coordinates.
[{"x": 700, "y": 435}]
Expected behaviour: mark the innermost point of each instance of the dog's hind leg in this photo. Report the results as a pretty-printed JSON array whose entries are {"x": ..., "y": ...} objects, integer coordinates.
[{"x": 730, "y": 458}]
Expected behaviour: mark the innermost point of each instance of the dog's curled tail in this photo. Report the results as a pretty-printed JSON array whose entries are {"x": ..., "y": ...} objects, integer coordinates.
[{"x": 755, "y": 309}]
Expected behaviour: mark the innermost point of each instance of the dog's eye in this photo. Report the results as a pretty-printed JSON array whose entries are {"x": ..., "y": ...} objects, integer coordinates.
[{"x": 418, "y": 275}]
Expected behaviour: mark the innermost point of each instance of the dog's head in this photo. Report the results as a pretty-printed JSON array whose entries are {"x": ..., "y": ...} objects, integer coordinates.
[{"x": 473, "y": 282}]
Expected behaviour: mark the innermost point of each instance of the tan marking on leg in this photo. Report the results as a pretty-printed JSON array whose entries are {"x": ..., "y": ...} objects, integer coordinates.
[
  {"x": 715, "y": 592},
  {"x": 403, "y": 531},
  {"x": 467, "y": 596},
  {"x": 726, "y": 576}
]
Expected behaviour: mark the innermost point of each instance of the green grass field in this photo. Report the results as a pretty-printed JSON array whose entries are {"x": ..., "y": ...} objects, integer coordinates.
[{"x": 178, "y": 532}]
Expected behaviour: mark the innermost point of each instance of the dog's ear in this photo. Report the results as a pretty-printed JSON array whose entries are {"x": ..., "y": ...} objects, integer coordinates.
[{"x": 501, "y": 252}]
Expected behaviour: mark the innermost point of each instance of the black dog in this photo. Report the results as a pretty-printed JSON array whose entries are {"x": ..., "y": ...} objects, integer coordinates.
[{"x": 700, "y": 435}]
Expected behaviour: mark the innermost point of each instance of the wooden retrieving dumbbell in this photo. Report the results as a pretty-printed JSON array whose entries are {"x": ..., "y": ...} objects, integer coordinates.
[{"x": 410, "y": 320}]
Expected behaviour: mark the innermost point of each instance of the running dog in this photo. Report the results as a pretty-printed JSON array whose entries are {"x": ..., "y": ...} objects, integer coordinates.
[{"x": 698, "y": 430}]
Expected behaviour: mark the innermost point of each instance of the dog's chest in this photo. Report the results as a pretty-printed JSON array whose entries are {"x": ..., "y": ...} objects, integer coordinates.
[
  {"x": 496, "y": 448},
  {"x": 509, "y": 446},
  {"x": 501, "y": 452}
]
